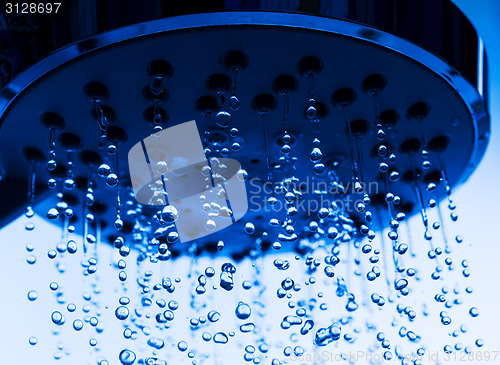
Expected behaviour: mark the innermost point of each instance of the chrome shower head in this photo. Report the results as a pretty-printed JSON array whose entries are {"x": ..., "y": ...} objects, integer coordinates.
[{"x": 364, "y": 112}]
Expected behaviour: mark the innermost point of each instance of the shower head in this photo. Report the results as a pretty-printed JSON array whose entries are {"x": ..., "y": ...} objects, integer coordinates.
[{"x": 391, "y": 106}]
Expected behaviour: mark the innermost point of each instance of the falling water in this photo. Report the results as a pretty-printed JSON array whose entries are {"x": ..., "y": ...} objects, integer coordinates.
[{"x": 274, "y": 306}]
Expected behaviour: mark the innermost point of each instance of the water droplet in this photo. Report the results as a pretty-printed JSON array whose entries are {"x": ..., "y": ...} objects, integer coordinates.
[
  {"x": 161, "y": 167},
  {"x": 51, "y": 254},
  {"x": 51, "y": 165},
  {"x": 127, "y": 357},
  {"x": 243, "y": 311},
  {"x": 430, "y": 187},
  {"x": 445, "y": 320},
  {"x": 316, "y": 155},
  {"x": 69, "y": 184},
  {"x": 383, "y": 167},
  {"x": 308, "y": 325},
  {"x": 210, "y": 225},
  {"x": 226, "y": 280},
  {"x": 223, "y": 119},
  {"x": 52, "y": 183},
  {"x": 89, "y": 199},
  {"x": 249, "y": 228},
  {"x": 127, "y": 333},
  {"x": 247, "y": 327},
  {"x": 57, "y": 317},
  {"x": 329, "y": 272},
  {"x": 235, "y": 146},
  {"x": 169, "y": 214},
  {"x": 287, "y": 284},
  {"x": 182, "y": 346},
  {"x": 326, "y": 335},
  {"x": 122, "y": 313},
  {"x": 234, "y": 103},
  {"x": 401, "y": 284},
  {"x": 474, "y": 312},
  {"x": 52, "y": 214},
  {"x": 32, "y": 295},
  {"x": 103, "y": 170},
  {"x": 77, "y": 324},
  {"x": 394, "y": 176},
  {"x": 286, "y": 149},
  {"x": 312, "y": 113},
  {"x": 118, "y": 224},
  {"x": 112, "y": 180},
  {"x": 382, "y": 150},
  {"x": 112, "y": 149},
  {"x": 242, "y": 175},
  {"x": 220, "y": 246},
  {"x": 213, "y": 316},
  {"x": 319, "y": 168},
  {"x": 220, "y": 337}
]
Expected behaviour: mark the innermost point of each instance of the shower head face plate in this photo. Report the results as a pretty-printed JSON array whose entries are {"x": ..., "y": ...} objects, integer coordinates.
[{"x": 195, "y": 54}]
